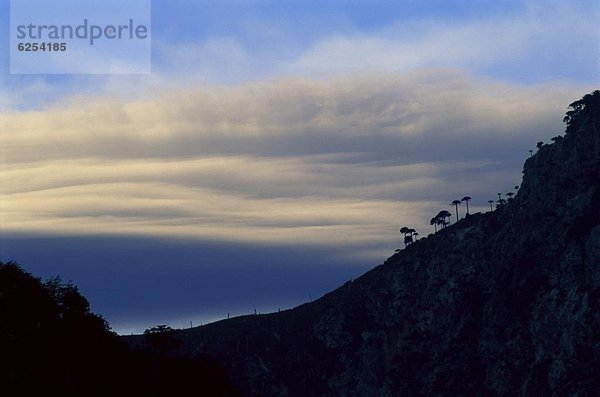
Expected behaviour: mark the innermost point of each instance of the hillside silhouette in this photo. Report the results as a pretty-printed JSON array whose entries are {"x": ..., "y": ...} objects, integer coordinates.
[
  {"x": 52, "y": 345},
  {"x": 498, "y": 304}
]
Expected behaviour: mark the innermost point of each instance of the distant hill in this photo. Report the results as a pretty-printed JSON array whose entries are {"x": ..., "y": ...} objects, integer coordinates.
[{"x": 499, "y": 304}]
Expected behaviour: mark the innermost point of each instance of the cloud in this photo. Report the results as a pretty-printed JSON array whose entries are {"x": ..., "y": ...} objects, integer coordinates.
[
  {"x": 341, "y": 161},
  {"x": 524, "y": 44},
  {"x": 527, "y": 42},
  {"x": 295, "y": 116},
  {"x": 248, "y": 201}
]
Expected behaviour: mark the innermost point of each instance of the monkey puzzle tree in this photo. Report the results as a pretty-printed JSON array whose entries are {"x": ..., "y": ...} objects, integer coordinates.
[
  {"x": 442, "y": 215},
  {"x": 407, "y": 232},
  {"x": 409, "y": 237},
  {"x": 500, "y": 203},
  {"x": 434, "y": 221},
  {"x": 466, "y": 199},
  {"x": 456, "y": 203}
]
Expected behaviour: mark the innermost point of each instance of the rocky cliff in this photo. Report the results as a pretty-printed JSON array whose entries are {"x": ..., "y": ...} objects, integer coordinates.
[{"x": 503, "y": 303}]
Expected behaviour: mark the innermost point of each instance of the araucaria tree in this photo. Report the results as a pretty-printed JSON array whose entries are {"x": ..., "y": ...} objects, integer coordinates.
[
  {"x": 434, "y": 221},
  {"x": 408, "y": 234},
  {"x": 442, "y": 215},
  {"x": 411, "y": 236},
  {"x": 466, "y": 199},
  {"x": 456, "y": 203}
]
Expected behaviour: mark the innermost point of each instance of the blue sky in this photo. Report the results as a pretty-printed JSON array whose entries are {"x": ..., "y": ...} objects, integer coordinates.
[
  {"x": 277, "y": 146},
  {"x": 229, "y": 42}
]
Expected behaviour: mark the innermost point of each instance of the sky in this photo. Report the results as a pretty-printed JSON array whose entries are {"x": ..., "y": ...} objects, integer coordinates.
[{"x": 277, "y": 146}]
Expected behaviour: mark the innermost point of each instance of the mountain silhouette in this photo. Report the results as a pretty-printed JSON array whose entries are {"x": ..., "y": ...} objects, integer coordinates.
[{"x": 499, "y": 304}]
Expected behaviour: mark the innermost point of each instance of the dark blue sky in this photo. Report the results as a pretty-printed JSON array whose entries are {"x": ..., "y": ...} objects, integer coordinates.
[{"x": 137, "y": 282}]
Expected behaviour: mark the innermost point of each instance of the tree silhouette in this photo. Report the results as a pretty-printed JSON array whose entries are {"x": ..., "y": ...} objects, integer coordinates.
[
  {"x": 589, "y": 104},
  {"x": 407, "y": 235},
  {"x": 500, "y": 203},
  {"x": 442, "y": 215},
  {"x": 466, "y": 199},
  {"x": 539, "y": 145},
  {"x": 491, "y": 203},
  {"x": 456, "y": 203},
  {"x": 161, "y": 339},
  {"x": 434, "y": 221},
  {"x": 510, "y": 195}
]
